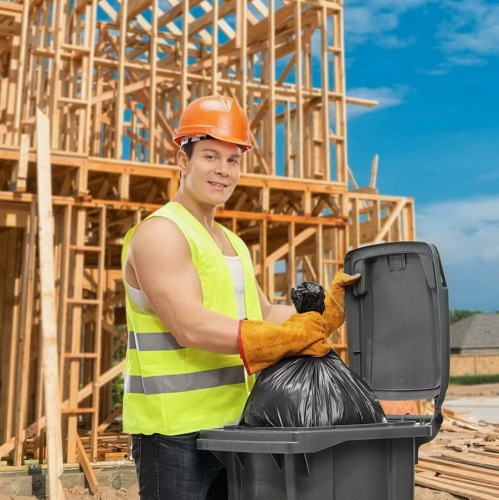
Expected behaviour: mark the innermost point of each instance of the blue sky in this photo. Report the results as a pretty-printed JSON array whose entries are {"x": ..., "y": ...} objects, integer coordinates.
[{"x": 433, "y": 66}]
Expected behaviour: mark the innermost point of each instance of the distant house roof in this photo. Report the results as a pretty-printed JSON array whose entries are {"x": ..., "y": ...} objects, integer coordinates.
[{"x": 479, "y": 331}]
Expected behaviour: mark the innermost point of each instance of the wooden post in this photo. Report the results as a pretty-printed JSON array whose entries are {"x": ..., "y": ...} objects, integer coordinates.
[
  {"x": 20, "y": 171},
  {"x": 49, "y": 326}
]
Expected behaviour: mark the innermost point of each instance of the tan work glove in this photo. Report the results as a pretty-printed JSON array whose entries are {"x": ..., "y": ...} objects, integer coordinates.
[
  {"x": 263, "y": 344},
  {"x": 334, "y": 314}
]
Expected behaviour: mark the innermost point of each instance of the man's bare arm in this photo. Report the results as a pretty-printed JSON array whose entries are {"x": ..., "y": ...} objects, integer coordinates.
[
  {"x": 277, "y": 313},
  {"x": 159, "y": 263}
]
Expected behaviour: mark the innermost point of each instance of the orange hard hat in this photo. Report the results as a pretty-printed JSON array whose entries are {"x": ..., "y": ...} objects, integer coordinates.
[{"x": 216, "y": 116}]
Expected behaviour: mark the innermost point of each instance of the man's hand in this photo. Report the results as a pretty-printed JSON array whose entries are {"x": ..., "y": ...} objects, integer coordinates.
[{"x": 263, "y": 344}]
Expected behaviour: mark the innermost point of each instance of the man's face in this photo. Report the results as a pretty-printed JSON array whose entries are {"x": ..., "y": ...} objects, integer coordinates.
[{"x": 212, "y": 172}]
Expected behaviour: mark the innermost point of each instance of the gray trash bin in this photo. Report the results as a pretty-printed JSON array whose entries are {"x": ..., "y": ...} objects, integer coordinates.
[{"x": 398, "y": 341}]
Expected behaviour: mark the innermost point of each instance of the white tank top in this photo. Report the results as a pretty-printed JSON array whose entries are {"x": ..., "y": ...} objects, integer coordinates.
[
  {"x": 236, "y": 269},
  {"x": 237, "y": 272}
]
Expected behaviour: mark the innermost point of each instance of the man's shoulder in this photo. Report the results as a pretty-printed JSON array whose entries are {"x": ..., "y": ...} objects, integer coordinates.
[{"x": 156, "y": 222}]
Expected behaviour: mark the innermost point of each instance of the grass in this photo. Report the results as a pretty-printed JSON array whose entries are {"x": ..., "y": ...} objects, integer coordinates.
[{"x": 475, "y": 379}]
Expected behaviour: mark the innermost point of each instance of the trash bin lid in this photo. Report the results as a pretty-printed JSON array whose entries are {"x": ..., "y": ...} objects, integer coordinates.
[{"x": 397, "y": 317}]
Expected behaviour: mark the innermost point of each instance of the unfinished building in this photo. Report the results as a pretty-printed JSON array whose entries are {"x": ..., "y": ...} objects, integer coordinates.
[{"x": 90, "y": 92}]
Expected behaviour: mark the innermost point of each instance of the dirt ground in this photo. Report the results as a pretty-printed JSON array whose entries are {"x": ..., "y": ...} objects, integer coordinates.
[
  {"x": 483, "y": 390},
  {"x": 109, "y": 493}
]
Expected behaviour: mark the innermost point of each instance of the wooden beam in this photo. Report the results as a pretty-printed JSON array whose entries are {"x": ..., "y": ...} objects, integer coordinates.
[
  {"x": 9, "y": 8},
  {"x": 93, "y": 482},
  {"x": 49, "y": 353},
  {"x": 20, "y": 171},
  {"x": 136, "y": 7}
]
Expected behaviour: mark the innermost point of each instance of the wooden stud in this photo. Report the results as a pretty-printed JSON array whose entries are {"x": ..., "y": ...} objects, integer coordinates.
[
  {"x": 49, "y": 326},
  {"x": 164, "y": 55},
  {"x": 90, "y": 475}
]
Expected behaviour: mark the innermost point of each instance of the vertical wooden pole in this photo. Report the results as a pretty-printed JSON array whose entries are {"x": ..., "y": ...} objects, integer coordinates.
[
  {"x": 340, "y": 104},
  {"x": 241, "y": 40},
  {"x": 326, "y": 125},
  {"x": 22, "y": 70},
  {"x": 26, "y": 324},
  {"x": 300, "y": 168},
  {"x": 120, "y": 92},
  {"x": 292, "y": 260},
  {"x": 75, "y": 329},
  {"x": 11, "y": 295},
  {"x": 88, "y": 72},
  {"x": 185, "y": 56},
  {"x": 49, "y": 326},
  {"x": 214, "y": 50},
  {"x": 272, "y": 105},
  {"x": 153, "y": 59},
  {"x": 56, "y": 72}
]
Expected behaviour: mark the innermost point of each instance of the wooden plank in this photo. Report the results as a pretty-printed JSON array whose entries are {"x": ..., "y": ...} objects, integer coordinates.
[
  {"x": 75, "y": 304},
  {"x": 472, "y": 459},
  {"x": 26, "y": 325},
  {"x": 477, "y": 486},
  {"x": 453, "y": 489},
  {"x": 10, "y": 313},
  {"x": 97, "y": 341},
  {"x": 459, "y": 470},
  {"x": 120, "y": 93},
  {"x": 81, "y": 454},
  {"x": 8, "y": 8},
  {"x": 136, "y": 7},
  {"x": 20, "y": 171},
  {"x": 49, "y": 354}
]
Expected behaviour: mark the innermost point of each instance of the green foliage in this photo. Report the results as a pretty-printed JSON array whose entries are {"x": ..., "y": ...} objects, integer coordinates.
[
  {"x": 475, "y": 379},
  {"x": 117, "y": 385},
  {"x": 460, "y": 314}
]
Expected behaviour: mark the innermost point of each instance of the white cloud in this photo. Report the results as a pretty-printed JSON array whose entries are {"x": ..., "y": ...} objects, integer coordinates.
[
  {"x": 468, "y": 33},
  {"x": 387, "y": 97},
  {"x": 466, "y": 234},
  {"x": 465, "y": 231},
  {"x": 375, "y": 20},
  {"x": 471, "y": 28},
  {"x": 471, "y": 60}
]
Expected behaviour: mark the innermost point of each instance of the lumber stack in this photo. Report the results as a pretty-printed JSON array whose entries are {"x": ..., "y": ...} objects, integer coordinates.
[{"x": 462, "y": 460}]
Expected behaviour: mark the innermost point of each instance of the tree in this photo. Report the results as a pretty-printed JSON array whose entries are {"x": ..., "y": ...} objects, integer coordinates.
[{"x": 460, "y": 314}]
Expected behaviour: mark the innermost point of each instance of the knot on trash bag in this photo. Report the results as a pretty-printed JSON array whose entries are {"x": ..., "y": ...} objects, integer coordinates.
[{"x": 308, "y": 296}]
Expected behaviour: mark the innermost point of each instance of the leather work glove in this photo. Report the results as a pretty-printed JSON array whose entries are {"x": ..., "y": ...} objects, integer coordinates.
[
  {"x": 263, "y": 344},
  {"x": 334, "y": 314}
]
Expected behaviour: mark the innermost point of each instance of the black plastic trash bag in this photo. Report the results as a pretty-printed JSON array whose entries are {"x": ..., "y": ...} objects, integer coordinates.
[
  {"x": 308, "y": 296},
  {"x": 310, "y": 392}
]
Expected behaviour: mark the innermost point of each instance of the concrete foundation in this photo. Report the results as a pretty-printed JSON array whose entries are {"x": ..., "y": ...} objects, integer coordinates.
[{"x": 32, "y": 480}]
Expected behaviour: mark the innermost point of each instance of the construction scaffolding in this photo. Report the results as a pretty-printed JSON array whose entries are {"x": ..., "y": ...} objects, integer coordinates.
[{"x": 112, "y": 78}]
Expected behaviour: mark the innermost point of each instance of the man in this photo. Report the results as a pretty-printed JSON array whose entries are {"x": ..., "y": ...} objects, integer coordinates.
[{"x": 196, "y": 315}]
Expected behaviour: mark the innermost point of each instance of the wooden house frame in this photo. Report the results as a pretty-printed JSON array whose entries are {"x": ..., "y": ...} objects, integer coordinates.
[{"x": 112, "y": 78}]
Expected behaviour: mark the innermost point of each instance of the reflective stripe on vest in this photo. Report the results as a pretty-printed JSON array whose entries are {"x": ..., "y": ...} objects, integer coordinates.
[
  {"x": 161, "y": 341},
  {"x": 168, "y": 384}
]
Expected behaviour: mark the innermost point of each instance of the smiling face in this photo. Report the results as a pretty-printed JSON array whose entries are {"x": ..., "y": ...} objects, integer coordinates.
[{"x": 210, "y": 175}]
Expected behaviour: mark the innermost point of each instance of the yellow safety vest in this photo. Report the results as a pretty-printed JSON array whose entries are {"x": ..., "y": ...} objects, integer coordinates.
[{"x": 170, "y": 389}]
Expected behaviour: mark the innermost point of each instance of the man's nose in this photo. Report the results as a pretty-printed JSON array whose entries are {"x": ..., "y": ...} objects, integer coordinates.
[{"x": 222, "y": 168}]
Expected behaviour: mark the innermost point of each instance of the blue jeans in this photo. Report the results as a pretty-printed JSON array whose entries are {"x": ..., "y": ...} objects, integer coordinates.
[{"x": 171, "y": 467}]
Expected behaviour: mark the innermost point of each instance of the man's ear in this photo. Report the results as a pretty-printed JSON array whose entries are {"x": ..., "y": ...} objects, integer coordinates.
[{"x": 182, "y": 161}]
